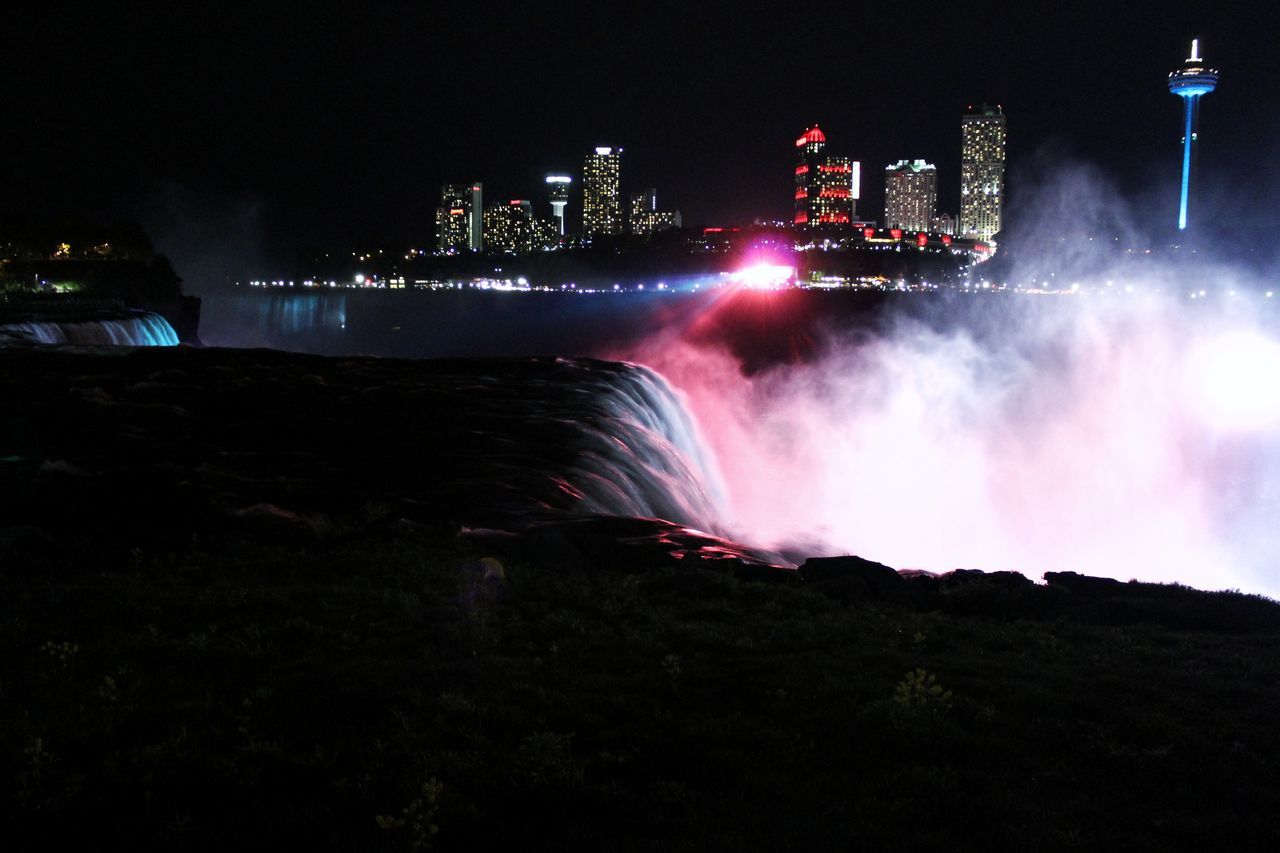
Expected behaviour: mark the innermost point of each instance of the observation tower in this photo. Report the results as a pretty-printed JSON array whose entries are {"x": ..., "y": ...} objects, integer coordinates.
[
  {"x": 558, "y": 189},
  {"x": 1193, "y": 80}
]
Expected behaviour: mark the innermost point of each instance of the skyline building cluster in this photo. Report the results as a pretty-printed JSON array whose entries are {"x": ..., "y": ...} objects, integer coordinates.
[
  {"x": 645, "y": 217},
  {"x": 512, "y": 228},
  {"x": 464, "y": 224},
  {"x": 826, "y": 187}
]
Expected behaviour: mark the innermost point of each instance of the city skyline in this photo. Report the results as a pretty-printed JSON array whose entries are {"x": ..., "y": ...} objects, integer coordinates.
[
  {"x": 304, "y": 130},
  {"x": 827, "y": 189}
]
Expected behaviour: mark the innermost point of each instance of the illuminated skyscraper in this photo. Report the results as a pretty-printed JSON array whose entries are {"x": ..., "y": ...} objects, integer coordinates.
[
  {"x": 645, "y": 217},
  {"x": 601, "y": 199},
  {"x": 642, "y": 202},
  {"x": 982, "y": 134},
  {"x": 546, "y": 234},
  {"x": 1190, "y": 82},
  {"x": 509, "y": 227},
  {"x": 826, "y": 187},
  {"x": 459, "y": 218},
  {"x": 910, "y": 195},
  {"x": 558, "y": 189}
]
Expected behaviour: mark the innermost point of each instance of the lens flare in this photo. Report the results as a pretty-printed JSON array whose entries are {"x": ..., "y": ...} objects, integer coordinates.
[{"x": 765, "y": 276}]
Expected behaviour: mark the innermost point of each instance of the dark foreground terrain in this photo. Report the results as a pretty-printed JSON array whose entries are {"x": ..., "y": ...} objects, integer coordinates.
[{"x": 229, "y": 620}]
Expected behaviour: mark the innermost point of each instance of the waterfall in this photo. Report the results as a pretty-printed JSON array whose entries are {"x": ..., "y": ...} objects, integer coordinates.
[
  {"x": 641, "y": 454},
  {"x": 141, "y": 329},
  {"x": 581, "y": 437}
]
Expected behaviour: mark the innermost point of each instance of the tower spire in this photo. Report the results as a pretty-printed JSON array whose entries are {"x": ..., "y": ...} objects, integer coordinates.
[{"x": 1191, "y": 83}]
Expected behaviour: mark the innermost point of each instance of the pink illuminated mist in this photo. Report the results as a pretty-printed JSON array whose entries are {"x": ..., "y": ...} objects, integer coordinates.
[{"x": 1129, "y": 437}]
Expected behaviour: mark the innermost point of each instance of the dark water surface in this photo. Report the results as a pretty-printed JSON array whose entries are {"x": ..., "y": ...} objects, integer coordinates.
[{"x": 427, "y": 324}]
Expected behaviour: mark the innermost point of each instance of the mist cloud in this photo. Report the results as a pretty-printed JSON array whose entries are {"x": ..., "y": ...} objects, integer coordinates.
[{"x": 1130, "y": 430}]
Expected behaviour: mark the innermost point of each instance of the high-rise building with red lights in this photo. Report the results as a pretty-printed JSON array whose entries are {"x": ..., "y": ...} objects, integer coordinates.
[
  {"x": 826, "y": 186},
  {"x": 458, "y": 218}
]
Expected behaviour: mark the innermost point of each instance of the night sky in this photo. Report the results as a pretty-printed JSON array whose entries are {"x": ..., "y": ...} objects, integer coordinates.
[{"x": 254, "y": 132}]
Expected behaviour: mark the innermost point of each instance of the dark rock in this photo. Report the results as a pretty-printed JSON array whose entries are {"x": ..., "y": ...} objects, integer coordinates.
[
  {"x": 852, "y": 578},
  {"x": 1003, "y": 580},
  {"x": 817, "y": 569},
  {"x": 911, "y": 574},
  {"x": 1084, "y": 585},
  {"x": 1010, "y": 580},
  {"x": 959, "y": 577},
  {"x": 24, "y": 540}
]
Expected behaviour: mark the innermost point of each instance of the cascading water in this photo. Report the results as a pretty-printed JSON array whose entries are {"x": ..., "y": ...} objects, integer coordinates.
[
  {"x": 645, "y": 454},
  {"x": 142, "y": 329},
  {"x": 592, "y": 438},
  {"x": 583, "y": 450}
]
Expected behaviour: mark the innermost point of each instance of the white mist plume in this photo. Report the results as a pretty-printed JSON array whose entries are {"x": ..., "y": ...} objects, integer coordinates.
[
  {"x": 1128, "y": 431},
  {"x": 1097, "y": 436}
]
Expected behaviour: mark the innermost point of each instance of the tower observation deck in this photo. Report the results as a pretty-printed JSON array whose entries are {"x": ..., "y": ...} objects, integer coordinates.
[{"x": 1191, "y": 82}]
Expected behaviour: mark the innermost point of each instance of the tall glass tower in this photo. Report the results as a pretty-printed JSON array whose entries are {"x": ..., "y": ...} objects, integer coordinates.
[
  {"x": 1190, "y": 82},
  {"x": 982, "y": 136},
  {"x": 459, "y": 218},
  {"x": 601, "y": 198}
]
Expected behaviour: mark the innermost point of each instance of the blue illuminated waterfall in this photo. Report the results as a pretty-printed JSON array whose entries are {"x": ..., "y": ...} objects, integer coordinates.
[{"x": 142, "y": 329}]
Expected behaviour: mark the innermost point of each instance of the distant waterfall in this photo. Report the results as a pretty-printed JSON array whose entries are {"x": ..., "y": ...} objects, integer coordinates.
[{"x": 143, "y": 329}]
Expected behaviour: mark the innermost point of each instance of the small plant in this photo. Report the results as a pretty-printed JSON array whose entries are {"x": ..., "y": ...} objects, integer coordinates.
[
  {"x": 375, "y": 512},
  {"x": 62, "y": 656},
  {"x": 34, "y": 781},
  {"x": 671, "y": 666},
  {"x": 418, "y": 818},
  {"x": 920, "y": 696},
  {"x": 107, "y": 690},
  {"x": 546, "y": 758}
]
